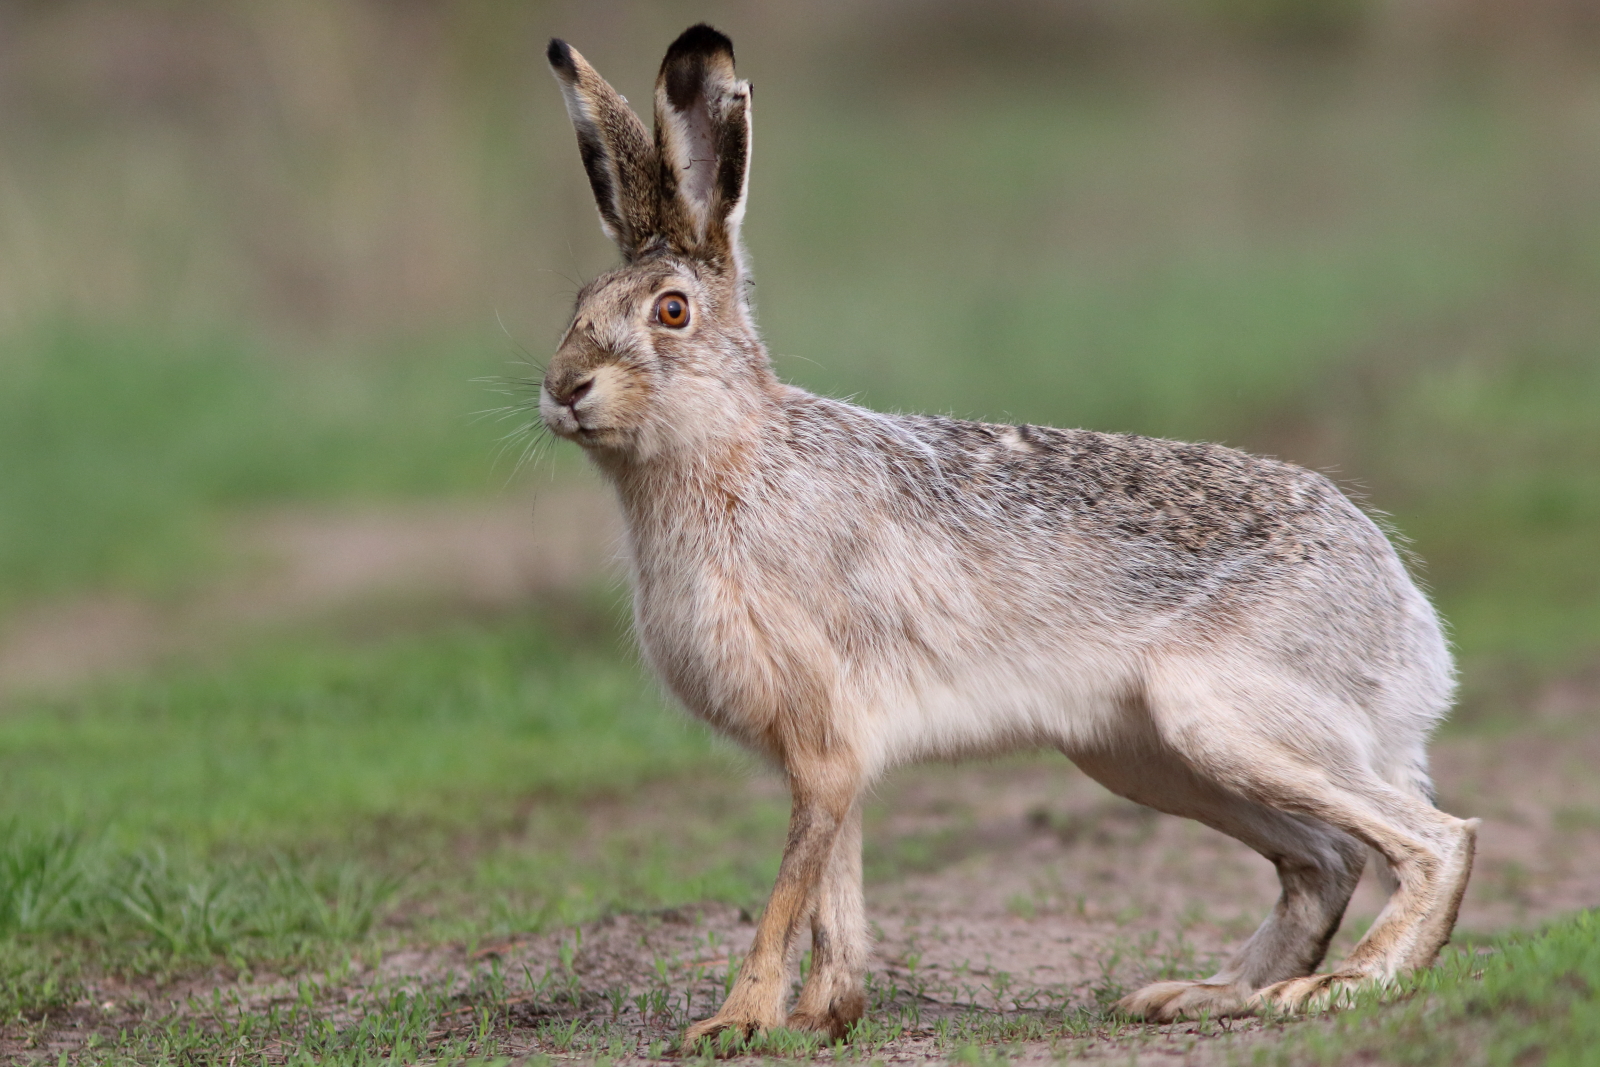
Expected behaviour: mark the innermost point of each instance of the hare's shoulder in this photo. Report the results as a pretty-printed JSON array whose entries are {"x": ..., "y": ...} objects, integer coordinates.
[{"x": 1203, "y": 498}]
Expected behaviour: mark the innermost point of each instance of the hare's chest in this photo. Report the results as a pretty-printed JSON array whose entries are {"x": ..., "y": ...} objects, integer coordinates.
[{"x": 735, "y": 648}]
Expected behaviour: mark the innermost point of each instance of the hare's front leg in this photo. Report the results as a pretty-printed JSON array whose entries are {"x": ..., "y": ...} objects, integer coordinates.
[
  {"x": 825, "y": 791},
  {"x": 835, "y": 993}
]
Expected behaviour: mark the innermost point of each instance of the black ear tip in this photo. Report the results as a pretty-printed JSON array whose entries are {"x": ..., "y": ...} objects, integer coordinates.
[
  {"x": 559, "y": 54},
  {"x": 702, "y": 40}
]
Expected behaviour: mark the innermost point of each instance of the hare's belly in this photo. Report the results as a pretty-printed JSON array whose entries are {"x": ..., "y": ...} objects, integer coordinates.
[
  {"x": 1065, "y": 698},
  {"x": 747, "y": 668}
]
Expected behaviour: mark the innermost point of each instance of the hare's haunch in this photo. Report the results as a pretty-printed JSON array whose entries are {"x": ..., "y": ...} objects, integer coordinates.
[{"x": 1210, "y": 633}]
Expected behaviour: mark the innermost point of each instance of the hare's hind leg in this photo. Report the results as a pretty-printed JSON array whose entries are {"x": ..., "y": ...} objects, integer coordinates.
[
  {"x": 1283, "y": 746},
  {"x": 1317, "y": 865},
  {"x": 835, "y": 993}
]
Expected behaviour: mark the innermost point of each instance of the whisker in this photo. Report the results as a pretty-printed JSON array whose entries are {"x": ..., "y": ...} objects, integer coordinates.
[{"x": 528, "y": 436}]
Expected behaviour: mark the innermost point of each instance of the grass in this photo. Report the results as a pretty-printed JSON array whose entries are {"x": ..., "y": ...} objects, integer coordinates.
[
  {"x": 292, "y": 743},
  {"x": 271, "y": 808},
  {"x": 386, "y": 750},
  {"x": 288, "y": 806},
  {"x": 162, "y": 911},
  {"x": 1526, "y": 998}
]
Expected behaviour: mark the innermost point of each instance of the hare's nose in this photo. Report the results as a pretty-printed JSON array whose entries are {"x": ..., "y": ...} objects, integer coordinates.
[{"x": 578, "y": 392}]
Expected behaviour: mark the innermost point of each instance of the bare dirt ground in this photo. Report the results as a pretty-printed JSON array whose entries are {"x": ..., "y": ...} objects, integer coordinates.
[
  {"x": 1013, "y": 892},
  {"x": 1007, "y": 898},
  {"x": 1008, "y": 901}
]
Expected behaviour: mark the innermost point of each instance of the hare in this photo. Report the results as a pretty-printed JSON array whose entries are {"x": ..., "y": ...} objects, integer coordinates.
[{"x": 1212, "y": 634}]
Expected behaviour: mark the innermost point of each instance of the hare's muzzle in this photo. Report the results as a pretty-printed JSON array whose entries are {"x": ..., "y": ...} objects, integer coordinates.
[{"x": 559, "y": 403}]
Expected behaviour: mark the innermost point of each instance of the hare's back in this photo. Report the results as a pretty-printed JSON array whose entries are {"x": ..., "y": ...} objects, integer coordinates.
[
  {"x": 1195, "y": 500},
  {"x": 1094, "y": 536},
  {"x": 1201, "y": 539}
]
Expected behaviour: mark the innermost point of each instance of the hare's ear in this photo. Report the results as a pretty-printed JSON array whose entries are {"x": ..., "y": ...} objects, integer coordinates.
[
  {"x": 617, "y": 154},
  {"x": 703, "y": 140}
]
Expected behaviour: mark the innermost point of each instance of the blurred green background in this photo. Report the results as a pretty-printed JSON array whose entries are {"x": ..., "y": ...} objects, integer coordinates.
[{"x": 257, "y": 255}]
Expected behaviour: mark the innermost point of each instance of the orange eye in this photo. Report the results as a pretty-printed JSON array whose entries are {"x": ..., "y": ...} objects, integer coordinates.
[{"x": 672, "y": 309}]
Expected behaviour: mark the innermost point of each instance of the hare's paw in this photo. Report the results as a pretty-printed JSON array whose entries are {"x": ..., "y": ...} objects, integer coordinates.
[
  {"x": 726, "y": 1031},
  {"x": 1165, "y": 1002},
  {"x": 1316, "y": 992},
  {"x": 836, "y": 1020}
]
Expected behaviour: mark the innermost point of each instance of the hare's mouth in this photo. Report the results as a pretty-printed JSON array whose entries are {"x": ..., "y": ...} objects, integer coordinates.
[
  {"x": 560, "y": 419},
  {"x": 570, "y": 426},
  {"x": 566, "y": 425}
]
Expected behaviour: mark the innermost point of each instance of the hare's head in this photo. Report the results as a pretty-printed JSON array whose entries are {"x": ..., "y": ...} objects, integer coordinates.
[{"x": 661, "y": 352}]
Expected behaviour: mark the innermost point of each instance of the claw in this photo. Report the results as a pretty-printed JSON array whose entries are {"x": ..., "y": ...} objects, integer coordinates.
[
  {"x": 1165, "y": 1002},
  {"x": 713, "y": 1028},
  {"x": 832, "y": 1026},
  {"x": 1312, "y": 993}
]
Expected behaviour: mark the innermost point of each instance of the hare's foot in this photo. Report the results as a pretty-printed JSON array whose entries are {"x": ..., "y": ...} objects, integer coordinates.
[
  {"x": 1165, "y": 1002},
  {"x": 1315, "y": 992},
  {"x": 834, "y": 1020},
  {"x": 710, "y": 1031}
]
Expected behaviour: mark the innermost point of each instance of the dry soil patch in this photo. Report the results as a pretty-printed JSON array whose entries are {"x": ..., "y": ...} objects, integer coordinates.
[{"x": 1005, "y": 898}]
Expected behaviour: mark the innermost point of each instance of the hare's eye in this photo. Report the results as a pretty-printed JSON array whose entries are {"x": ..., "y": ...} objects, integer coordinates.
[{"x": 672, "y": 309}]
